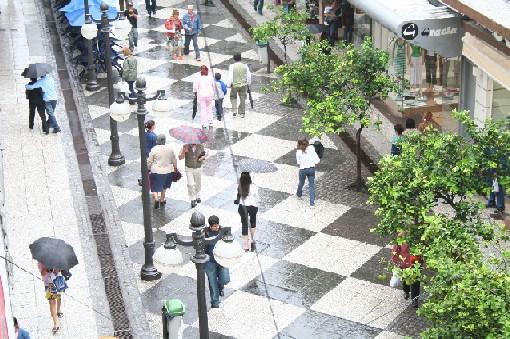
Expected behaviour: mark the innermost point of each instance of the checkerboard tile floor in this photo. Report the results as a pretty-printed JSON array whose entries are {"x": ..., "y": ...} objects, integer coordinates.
[{"x": 315, "y": 271}]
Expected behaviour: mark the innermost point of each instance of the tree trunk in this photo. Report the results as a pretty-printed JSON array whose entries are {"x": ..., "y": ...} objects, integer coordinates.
[{"x": 359, "y": 181}]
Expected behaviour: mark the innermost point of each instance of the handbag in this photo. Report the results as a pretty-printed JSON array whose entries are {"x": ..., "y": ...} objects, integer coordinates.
[
  {"x": 59, "y": 284},
  {"x": 395, "y": 281},
  {"x": 176, "y": 176}
]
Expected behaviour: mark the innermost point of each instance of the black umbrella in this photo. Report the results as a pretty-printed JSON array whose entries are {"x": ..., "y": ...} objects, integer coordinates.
[
  {"x": 35, "y": 71},
  {"x": 256, "y": 166},
  {"x": 249, "y": 96},
  {"x": 53, "y": 253},
  {"x": 194, "y": 107}
]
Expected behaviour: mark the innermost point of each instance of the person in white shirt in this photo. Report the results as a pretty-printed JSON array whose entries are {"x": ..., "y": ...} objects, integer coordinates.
[
  {"x": 306, "y": 158},
  {"x": 247, "y": 196}
]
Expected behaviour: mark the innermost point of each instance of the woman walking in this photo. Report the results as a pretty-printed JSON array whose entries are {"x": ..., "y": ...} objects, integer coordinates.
[
  {"x": 174, "y": 27},
  {"x": 306, "y": 158},
  {"x": 248, "y": 199},
  {"x": 162, "y": 163},
  {"x": 52, "y": 295},
  {"x": 204, "y": 87},
  {"x": 129, "y": 70}
]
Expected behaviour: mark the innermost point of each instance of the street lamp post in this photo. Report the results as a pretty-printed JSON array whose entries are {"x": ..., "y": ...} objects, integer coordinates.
[
  {"x": 226, "y": 253},
  {"x": 91, "y": 65}
]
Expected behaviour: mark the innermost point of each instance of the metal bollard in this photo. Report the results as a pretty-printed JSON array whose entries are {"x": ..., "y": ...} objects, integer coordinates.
[{"x": 172, "y": 314}]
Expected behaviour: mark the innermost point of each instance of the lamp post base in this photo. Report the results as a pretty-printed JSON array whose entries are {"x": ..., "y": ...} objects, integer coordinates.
[
  {"x": 92, "y": 86},
  {"x": 149, "y": 273},
  {"x": 116, "y": 160}
]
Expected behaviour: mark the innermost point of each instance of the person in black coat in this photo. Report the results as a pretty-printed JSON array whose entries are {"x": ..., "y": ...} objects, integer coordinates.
[{"x": 35, "y": 101}]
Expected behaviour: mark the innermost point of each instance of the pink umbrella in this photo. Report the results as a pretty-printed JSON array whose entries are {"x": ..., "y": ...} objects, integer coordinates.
[{"x": 189, "y": 135}]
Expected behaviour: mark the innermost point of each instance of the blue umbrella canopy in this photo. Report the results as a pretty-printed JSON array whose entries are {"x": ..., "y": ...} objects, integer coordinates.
[{"x": 75, "y": 11}]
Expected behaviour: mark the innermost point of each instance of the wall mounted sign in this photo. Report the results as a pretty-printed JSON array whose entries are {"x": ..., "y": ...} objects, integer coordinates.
[{"x": 409, "y": 31}]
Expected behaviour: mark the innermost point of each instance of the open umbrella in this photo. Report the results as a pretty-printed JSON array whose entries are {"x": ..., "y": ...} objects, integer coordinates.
[
  {"x": 189, "y": 135},
  {"x": 37, "y": 70},
  {"x": 256, "y": 166},
  {"x": 54, "y": 253},
  {"x": 249, "y": 96}
]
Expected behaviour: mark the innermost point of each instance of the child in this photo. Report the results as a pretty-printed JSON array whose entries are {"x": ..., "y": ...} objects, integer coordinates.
[
  {"x": 221, "y": 90},
  {"x": 178, "y": 44},
  {"x": 396, "y": 148}
]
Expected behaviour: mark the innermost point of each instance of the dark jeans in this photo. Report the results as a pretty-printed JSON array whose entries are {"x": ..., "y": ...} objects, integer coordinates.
[
  {"x": 348, "y": 33},
  {"x": 150, "y": 6},
  {"x": 219, "y": 108},
  {"x": 310, "y": 174},
  {"x": 431, "y": 69},
  {"x": 31, "y": 114},
  {"x": 258, "y": 5},
  {"x": 218, "y": 276},
  {"x": 497, "y": 198},
  {"x": 414, "y": 289},
  {"x": 187, "y": 40},
  {"x": 332, "y": 29},
  {"x": 132, "y": 92},
  {"x": 245, "y": 212},
  {"x": 50, "y": 109}
]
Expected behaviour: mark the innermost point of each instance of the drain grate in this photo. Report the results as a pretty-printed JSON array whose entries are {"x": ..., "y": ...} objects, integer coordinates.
[{"x": 111, "y": 282}]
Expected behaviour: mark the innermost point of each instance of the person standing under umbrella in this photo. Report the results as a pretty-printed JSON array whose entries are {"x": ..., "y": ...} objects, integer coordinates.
[
  {"x": 239, "y": 78},
  {"x": 306, "y": 158},
  {"x": 35, "y": 101},
  {"x": 247, "y": 196},
  {"x": 205, "y": 87},
  {"x": 162, "y": 163},
  {"x": 47, "y": 84},
  {"x": 54, "y": 297},
  {"x": 193, "y": 155}
]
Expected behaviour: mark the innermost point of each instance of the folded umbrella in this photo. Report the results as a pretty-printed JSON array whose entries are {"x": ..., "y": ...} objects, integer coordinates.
[
  {"x": 35, "y": 71},
  {"x": 53, "y": 253},
  {"x": 189, "y": 135},
  {"x": 249, "y": 96},
  {"x": 256, "y": 166},
  {"x": 195, "y": 104}
]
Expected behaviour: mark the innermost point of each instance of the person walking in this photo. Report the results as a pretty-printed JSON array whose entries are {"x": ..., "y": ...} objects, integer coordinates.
[
  {"x": 217, "y": 275},
  {"x": 35, "y": 101},
  {"x": 306, "y": 158},
  {"x": 174, "y": 28},
  {"x": 150, "y": 6},
  {"x": 47, "y": 85},
  {"x": 247, "y": 196},
  {"x": 192, "y": 26},
  {"x": 401, "y": 257},
  {"x": 19, "y": 333},
  {"x": 239, "y": 78},
  {"x": 129, "y": 70},
  {"x": 205, "y": 88},
  {"x": 150, "y": 141},
  {"x": 193, "y": 155},
  {"x": 53, "y": 296},
  {"x": 132, "y": 15},
  {"x": 162, "y": 163},
  {"x": 219, "y": 95},
  {"x": 331, "y": 18},
  {"x": 258, "y": 5}
]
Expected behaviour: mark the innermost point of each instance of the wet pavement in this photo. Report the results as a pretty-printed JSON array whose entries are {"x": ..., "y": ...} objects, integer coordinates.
[{"x": 315, "y": 273}]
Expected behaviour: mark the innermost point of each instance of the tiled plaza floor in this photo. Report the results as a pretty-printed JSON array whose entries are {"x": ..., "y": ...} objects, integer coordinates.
[{"x": 315, "y": 272}]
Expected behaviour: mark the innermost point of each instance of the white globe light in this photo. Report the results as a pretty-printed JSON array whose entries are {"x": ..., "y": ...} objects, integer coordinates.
[
  {"x": 161, "y": 105},
  {"x": 122, "y": 29},
  {"x": 168, "y": 257},
  {"x": 120, "y": 112},
  {"x": 89, "y": 31},
  {"x": 227, "y": 254}
]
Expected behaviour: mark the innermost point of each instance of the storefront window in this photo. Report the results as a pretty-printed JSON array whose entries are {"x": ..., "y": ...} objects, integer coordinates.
[
  {"x": 500, "y": 102},
  {"x": 361, "y": 26}
]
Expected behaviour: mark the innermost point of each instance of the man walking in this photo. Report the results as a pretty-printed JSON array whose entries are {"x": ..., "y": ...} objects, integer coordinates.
[
  {"x": 239, "y": 78},
  {"x": 258, "y": 5},
  {"x": 150, "y": 6},
  {"x": 35, "y": 101},
  {"x": 132, "y": 15},
  {"x": 192, "y": 26},
  {"x": 193, "y": 156},
  {"x": 47, "y": 84}
]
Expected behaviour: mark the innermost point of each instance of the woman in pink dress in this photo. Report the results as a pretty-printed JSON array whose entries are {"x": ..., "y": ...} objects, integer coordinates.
[{"x": 204, "y": 88}]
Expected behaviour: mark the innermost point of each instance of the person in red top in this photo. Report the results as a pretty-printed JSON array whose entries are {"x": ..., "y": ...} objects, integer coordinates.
[
  {"x": 401, "y": 257},
  {"x": 174, "y": 28}
]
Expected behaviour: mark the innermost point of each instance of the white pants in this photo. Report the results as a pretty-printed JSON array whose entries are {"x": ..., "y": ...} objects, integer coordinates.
[{"x": 194, "y": 178}]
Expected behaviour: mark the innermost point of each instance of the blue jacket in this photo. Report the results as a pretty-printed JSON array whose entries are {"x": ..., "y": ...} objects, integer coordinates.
[
  {"x": 150, "y": 141},
  {"x": 223, "y": 86},
  {"x": 23, "y": 334},
  {"x": 191, "y": 27}
]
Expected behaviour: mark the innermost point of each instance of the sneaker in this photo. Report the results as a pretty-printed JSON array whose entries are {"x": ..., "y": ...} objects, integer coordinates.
[
  {"x": 215, "y": 306},
  {"x": 312, "y": 207},
  {"x": 234, "y": 114}
]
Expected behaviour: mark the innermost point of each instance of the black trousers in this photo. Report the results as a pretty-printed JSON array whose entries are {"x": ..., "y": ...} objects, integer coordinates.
[
  {"x": 41, "y": 111},
  {"x": 414, "y": 289},
  {"x": 150, "y": 6},
  {"x": 245, "y": 212}
]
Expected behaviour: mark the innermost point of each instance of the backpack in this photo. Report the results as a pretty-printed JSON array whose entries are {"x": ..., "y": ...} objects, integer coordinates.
[
  {"x": 59, "y": 284},
  {"x": 319, "y": 148},
  {"x": 170, "y": 26}
]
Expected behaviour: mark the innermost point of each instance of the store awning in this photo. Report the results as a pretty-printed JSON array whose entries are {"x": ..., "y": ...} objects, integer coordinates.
[{"x": 432, "y": 27}]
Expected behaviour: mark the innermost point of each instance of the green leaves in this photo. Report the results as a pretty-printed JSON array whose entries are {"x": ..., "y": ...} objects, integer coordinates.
[{"x": 286, "y": 27}]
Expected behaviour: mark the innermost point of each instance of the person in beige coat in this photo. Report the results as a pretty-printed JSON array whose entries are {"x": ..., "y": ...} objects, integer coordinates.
[{"x": 162, "y": 163}]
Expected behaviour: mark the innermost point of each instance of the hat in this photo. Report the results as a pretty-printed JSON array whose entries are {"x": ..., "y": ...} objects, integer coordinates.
[
  {"x": 190, "y": 7},
  {"x": 213, "y": 220},
  {"x": 130, "y": 3}
]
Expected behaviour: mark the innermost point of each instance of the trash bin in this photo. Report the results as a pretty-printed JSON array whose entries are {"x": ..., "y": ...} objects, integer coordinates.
[
  {"x": 262, "y": 52},
  {"x": 172, "y": 314}
]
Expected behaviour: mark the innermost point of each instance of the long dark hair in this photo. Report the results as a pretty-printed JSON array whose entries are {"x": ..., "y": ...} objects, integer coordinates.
[
  {"x": 302, "y": 144},
  {"x": 244, "y": 184},
  {"x": 149, "y": 124}
]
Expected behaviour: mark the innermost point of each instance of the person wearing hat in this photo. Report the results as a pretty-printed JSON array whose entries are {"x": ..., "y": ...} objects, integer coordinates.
[
  {"x": 132, "y": 15},
  {"x": 150, "y": 6},
  {"x": 217, "y": 275},
  {"x": 192, "y": 26}
]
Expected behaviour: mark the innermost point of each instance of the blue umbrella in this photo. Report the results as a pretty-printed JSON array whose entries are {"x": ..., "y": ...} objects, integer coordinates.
[{"x": 75, "y": 11}]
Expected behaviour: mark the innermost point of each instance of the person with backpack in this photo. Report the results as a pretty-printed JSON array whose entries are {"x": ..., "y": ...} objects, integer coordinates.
[
  {"x": 174, "y": 27},
  {"x": 129, "y": 70},
  {"x": 35, "y": 101},
  {"x": 132, "y": 15},
  {"x": 54, "y": 285},
  {"x": 306, "y": 158}
]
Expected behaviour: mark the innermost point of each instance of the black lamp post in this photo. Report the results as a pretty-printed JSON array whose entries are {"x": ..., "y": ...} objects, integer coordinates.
[
  {"x": 199, "y": 243},
  {"x": 116, "y": 158},
  {"x": 91, "y": 65}
]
